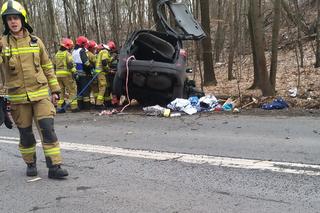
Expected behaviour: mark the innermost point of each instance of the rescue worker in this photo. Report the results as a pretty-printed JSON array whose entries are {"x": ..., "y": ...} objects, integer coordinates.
[
  {"x": 91, "y": 52},
  {"x": 29, "y": 77},
  {"x": 83, "y": 73},
  {"x": 111, "y": 74},
  {"x": 102, "y": 67},
  {"x": 65, "y": 69}
]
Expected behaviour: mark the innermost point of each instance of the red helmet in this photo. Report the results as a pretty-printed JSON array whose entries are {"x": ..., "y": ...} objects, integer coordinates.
[
  {"x": 111, "y": 45},
  {"x": 67, "y": 43},
  {"x": 81, "y": 41},
  {"x": 91, "y": 45}
]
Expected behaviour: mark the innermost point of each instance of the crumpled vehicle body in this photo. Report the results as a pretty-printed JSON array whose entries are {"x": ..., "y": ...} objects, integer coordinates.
[{"x": 155, "y": 62}]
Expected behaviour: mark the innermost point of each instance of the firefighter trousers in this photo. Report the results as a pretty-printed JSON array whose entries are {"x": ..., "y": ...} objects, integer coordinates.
[
  {"x": 102, "y": 85},
  {"x": 84, "y": 98},
  {"x": 42, "y": 112},
  {"x": 94, "y": 90},
  {"x": 68, "y": 86}
]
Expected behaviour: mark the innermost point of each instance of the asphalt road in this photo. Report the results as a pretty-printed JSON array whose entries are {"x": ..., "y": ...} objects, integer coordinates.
[{"x": 142, "y": 178}]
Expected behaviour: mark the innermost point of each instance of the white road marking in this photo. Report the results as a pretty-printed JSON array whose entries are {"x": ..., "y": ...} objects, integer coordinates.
[{"x": 283, "y": 167}]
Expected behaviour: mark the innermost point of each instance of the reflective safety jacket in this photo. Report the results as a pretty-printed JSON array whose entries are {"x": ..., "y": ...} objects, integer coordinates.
[
  {"x": 64, "y": 64},
  {"x": 92, "y": 58},
  {"x": 27, "y": 70},
  {"x": 103, "y": 61},
  {"x": 81, "y": 60}
]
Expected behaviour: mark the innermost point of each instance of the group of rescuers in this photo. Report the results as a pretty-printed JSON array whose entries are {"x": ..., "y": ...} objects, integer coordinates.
[
  {"x": 33, "y": 85},
  {"x": 84, "y": 72}
]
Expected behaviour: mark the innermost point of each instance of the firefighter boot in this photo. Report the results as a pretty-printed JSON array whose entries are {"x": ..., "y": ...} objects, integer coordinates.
[
  {"x": 31, "y": 170},
  {"x": 56, "y": 172}
]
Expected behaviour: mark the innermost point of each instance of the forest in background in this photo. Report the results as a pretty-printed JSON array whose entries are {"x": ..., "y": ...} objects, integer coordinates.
[{"x": 250, "y": 46}]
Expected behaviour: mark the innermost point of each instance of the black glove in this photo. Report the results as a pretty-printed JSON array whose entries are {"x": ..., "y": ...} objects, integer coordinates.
[{"x": 4, "y": 115}]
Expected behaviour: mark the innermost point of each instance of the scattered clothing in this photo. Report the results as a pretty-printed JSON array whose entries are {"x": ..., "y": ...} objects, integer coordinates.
[
  {"x": 208, "y": 103},
  {"x": 154, "y": 110},
  {"x": 182, "y": 105},
  {"x": 278, "y": 103}
]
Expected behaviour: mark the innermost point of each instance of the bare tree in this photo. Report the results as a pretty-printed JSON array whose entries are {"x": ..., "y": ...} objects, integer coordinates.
[
  {"x": 209, "y": 75},
  {"x": 233, "y": 22},
  {"x": 66, "y": 18},
  {"x": 300, "y": 28},
  {"x": 96, "y": 21},
  {"x": 275, "y": 41},
  {"x": 318, "y": 36},
  {"x": 53, "y": 26},
  {"x": 219, "y": 41},
  {"x": 258, "y": 48}
]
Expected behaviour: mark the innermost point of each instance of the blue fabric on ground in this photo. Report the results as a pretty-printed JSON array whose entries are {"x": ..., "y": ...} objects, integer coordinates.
[{"x": 278, "y": 103}]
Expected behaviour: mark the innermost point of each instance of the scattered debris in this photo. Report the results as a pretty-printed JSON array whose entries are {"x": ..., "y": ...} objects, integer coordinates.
[
  {"x": 155, "y": 110},
  {"x": 175, "y": 114},
  {"x": 236, "y": 110},
  {"x": 228, "y": 105},
  {"x": 183, "y": 105},
  {"x": 278, "y": 103},
  {"x": 254, "y": 101},
  {"x": 108, "y": 112},
  {"x": 34, "y": 180},
  {"x": 208, "y": 102},
  {"x": 293, "y": 92}
]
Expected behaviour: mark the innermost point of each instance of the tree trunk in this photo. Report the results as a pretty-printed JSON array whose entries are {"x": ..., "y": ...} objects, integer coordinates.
[
  {"x": 54, "y": 33},
  {"x": 66, "y": 18},
  {"x": 299, "y": 26},
  {"x": 149, "y": 13},
  {"x": 275, "y": 42},
  {"x": 209, "y": 75},
  {"x": 115, "y": 21},
  {"x": 258, "y": 46},
  {"x": 256, "y": 75},
  {"x": 218, "y": 45},
  {"x": 96, "y": 21},
  {"x": 296, "y": 19},
  {"x": 233, "y": 37},
  {"x": 318, "y": 36},
  {"x": 81, "y": 16},
  {"x": 74, "y": 15}
]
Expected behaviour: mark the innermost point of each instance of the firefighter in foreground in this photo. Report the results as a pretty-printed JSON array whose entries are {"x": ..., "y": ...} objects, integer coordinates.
[
  {"x": 28, "y": 77},
  {"x": 102, "y": 67},
  {"x": 65, "y": 70}
]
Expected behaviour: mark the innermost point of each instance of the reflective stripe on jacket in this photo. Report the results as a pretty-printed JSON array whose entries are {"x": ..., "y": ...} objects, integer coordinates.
[
  {"x": 27, "y": 70},
  {"x": 64, "y": 64},
  {"x": 103, "y": 55}
]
